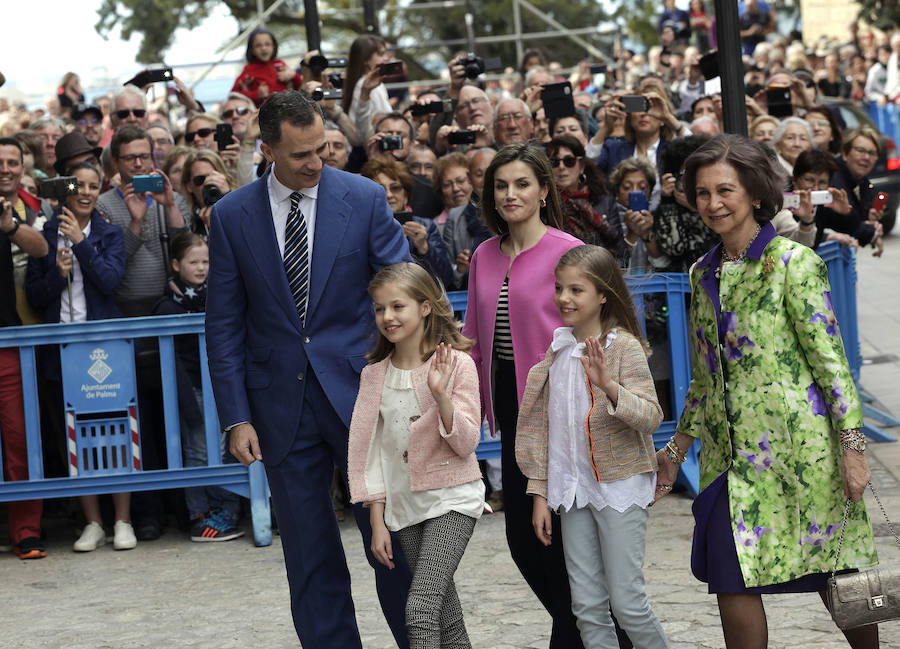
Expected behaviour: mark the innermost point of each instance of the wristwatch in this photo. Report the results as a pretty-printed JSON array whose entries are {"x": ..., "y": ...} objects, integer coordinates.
[{"x": 15, "y": 228}]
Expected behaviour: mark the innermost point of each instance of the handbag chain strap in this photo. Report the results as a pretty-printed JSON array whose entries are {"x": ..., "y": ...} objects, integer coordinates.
[{"x": 844, "y": 527}]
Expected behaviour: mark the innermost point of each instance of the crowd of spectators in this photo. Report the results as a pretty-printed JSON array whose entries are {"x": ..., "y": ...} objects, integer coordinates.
[{"x": 616, "y": 163}]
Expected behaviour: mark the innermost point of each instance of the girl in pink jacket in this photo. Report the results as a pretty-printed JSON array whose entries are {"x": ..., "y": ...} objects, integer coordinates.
[{"x": 411, "y": 457}]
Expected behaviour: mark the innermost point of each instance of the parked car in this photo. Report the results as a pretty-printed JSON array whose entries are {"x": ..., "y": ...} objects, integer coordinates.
[{"x": 886, "y": 175}]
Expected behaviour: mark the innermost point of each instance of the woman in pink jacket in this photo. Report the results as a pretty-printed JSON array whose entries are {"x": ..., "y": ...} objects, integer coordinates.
[{"x": 511, "y": 318}]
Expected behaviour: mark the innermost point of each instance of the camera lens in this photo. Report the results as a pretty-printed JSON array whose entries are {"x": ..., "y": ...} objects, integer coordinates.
[{"x": 211, "y": 195}]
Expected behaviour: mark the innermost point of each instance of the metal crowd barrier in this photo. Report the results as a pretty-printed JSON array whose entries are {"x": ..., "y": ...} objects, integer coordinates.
[
  {"x": 103, "y": 458},
  {"x": 886, "y": 118},
  {"x": 114, "y": 466}
]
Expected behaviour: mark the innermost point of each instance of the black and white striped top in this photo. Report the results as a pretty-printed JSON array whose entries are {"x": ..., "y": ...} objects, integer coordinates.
[{"x": 503, "y": 347}]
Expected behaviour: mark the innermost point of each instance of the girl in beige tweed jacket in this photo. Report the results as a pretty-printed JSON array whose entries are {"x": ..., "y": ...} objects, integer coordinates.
[{"x": 585, "y": 443}]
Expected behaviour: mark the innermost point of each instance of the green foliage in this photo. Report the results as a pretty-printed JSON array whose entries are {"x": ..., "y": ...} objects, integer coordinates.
[
  {"x": 884, "y": 14},
  {"x": 157, "y": 20}
]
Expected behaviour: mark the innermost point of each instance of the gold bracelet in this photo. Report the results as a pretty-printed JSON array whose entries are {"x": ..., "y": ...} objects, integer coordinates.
[{"x": 675, "y": 454}]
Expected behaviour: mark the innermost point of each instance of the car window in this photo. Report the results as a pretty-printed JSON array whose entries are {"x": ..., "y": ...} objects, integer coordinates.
[{"x": 849, "y": 117}]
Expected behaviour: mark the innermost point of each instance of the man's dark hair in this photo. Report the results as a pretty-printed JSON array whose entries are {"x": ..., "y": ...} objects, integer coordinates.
[
  {"x": 10, "y": 141},
  {"x": 125, "y": 135},
  {"x": 291, "y": 106},
  {"x": 395, "y": 115}
]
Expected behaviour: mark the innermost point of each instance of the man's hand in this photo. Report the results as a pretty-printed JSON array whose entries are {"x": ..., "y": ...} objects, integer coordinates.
[
  {"x": 136, "y": 204},
  {"x": 245, "y": 444},
  {"x": 6, "y": 215},
  {"x": 185, "y": 96}
]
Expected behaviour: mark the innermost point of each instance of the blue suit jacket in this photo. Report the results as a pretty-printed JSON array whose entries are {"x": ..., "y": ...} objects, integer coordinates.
[
  {"x": 258, "y": 350},
  {"x": 615, "y": 150}
]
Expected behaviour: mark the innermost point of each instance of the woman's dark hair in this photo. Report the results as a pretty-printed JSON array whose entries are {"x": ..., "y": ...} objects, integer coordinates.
[
  {"x": 814, "y": 161},
  {"x": 758, "y": 172},
  {"x": 594, "y": 179},
  {"x": 579, "y": 115},
  {"x": 184, "y": 242},
  {"x": 70, "y": 170},
  {"x": 256, "y": 32},
  {"x": 34, "y": 142},
  {"x": 834, "y": 146},
  {"x": 390, "y": 167},
  {"x": 361, "y": 49},
  {"x": 536, "y": 159},
  {"x": 697, "y": 101},
  {"x": 671, "y": 159}
]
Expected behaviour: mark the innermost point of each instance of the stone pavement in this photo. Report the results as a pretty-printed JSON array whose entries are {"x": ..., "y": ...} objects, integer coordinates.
[{"x": 174, "y": 593}]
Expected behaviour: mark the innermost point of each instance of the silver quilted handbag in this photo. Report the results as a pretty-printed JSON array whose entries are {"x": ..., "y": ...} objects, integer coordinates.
[{"x": 868, "y": 596}]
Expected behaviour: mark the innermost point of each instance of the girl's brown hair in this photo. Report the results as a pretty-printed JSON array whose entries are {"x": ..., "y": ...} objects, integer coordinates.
[
  {"x": 440, "y": 325},
  {"x": 600, "y": 267},
  {"x": 180, "y": 246}
]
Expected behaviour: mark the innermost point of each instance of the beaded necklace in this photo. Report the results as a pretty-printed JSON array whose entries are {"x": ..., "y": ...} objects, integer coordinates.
[{"x": 739, "y": 256}]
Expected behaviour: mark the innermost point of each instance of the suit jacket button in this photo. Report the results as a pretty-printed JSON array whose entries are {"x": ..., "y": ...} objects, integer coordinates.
[
  {"x": 306, "y": 340},
  {"x": 300, "y": 376}
]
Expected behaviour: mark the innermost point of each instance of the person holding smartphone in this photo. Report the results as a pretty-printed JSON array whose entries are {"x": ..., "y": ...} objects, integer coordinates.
[
  {"x": 859, "y": 153},
  {"x": 201, "y": 131},
  {"x": 364, "y": 93}
]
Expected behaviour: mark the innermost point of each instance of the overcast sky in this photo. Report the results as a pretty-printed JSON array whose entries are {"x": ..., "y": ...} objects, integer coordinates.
[{"x": 35, "y": 59}]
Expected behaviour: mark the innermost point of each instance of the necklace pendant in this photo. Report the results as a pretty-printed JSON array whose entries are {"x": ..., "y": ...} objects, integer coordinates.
[{"x": 719, "y": 272}]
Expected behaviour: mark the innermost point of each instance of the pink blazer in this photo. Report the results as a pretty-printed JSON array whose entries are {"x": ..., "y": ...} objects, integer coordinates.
[
  {"x": 532, "y": 315},
  {"x": 437, "y": 458}
]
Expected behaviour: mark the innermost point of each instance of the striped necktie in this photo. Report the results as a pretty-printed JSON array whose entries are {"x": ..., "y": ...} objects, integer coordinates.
[{"x": 296, "y": 255}]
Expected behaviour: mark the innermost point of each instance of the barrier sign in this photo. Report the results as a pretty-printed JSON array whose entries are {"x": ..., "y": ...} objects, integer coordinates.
[{"x": 99, "y": 376}]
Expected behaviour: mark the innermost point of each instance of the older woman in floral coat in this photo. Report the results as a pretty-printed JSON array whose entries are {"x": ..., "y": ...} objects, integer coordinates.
[{"x": 772, "y": 401}]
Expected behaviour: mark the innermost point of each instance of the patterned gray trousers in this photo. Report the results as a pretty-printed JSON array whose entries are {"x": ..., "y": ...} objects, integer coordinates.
[{"x": 434, "y": 548}]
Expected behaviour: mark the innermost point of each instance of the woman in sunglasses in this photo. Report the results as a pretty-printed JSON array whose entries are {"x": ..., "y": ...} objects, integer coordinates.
[
  {"x": 589, "y": 209},
  {"x": 200, "y": 134},
  {"x": 204, "y": 179}
]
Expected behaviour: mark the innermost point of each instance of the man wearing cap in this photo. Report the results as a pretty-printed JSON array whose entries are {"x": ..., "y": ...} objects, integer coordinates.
[
  {"x": 73, "y": 148},
  {"x": 89, "y": 121}
]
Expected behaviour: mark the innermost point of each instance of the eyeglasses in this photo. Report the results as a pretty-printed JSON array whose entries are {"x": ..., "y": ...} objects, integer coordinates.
[
  {"x": 202, "y": 132},
  {"x": 821, "y": 123},
  {"x": 569, "y": 161},
  {"x": 228, "y": 114},
  {"x": 474, "y": 101},
  {"x": 137, "y": 112},
  {"x": 863, "y": 151},
  {"x": 84, "y": 121},
  {"x": 143, "y": 157},
  {"x": 509, "y": 117},
  {"x": 198, "y": 180}
]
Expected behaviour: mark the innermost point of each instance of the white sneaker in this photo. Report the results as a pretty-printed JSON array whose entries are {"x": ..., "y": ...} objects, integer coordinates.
[
  {"x": 124, "y": 538},
  {"x": 92, "y": 537}
]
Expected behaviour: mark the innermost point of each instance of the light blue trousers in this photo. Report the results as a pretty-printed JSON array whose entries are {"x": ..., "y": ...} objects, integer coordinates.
[{"x": 604, "y": 553}]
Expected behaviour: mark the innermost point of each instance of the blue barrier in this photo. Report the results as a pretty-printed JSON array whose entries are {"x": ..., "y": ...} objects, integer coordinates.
[
  {"x": 887, "y": 119},
  {"x": 248, "y": 482},
  {"x": 251, "y": 482}
]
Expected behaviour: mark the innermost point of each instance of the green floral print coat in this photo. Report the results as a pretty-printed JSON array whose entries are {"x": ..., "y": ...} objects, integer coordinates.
[{"x": 771, "y": 389}]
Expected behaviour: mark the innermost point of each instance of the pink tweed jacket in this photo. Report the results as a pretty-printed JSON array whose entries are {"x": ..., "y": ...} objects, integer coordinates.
[
  {"x": 437, "y": 458},
  {"x": 619, "y": 438}
]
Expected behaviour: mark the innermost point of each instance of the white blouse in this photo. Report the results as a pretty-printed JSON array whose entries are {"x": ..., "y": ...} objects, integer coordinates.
[
  {"x": 571, "y": 478},
  {"x": 404, "y": 507}
]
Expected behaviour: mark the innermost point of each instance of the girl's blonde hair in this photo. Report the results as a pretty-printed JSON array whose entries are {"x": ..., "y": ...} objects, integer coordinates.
[
  {"x": 600, "y": 267},
  {"x": 440, "y": 325}
]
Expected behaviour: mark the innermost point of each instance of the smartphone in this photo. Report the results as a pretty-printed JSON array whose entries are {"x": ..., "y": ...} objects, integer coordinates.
[
  {"x": 336, "y": 62},
  {"x": 223, "y": 136},
  {"x": 403, "y": 217},
  {"x": 822, "y": 197},
  {"x": 150, "y": 75},
  {"x": 557, "y": 99},
  {"x": 880, "y": 201},
  {"x": 60, "y": 188},
  {"x": 598, "y": 68},
  {"x": 433, "y": 107},
  {"x": 709, "y": 65},
  {"x": 391, "y": 67},
  {"x": 636, "y": 103},
  {"x": 637, "y": 201},
  {"x": 148, "y": 183},
  {"x": 791, "y": 201},
  {"x": 778, "y": 100},
  {"x": 461, "y": 137}
]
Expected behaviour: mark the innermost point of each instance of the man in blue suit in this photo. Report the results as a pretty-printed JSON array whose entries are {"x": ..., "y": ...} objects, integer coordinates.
[{"x": 288, "y": 324}]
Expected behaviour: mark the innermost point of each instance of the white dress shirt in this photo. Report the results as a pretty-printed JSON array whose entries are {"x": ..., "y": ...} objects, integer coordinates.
[
  {"x": 280, "y": 202},
  {"x": 77, "y": 311},
  {"x": 572, "y": 482}
]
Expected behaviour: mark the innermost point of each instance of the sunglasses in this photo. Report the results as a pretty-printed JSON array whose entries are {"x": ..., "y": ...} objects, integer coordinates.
[
  {"x": 137, "y": 112},
  {"x": 228, "y": 114},
  {"x": 569, "y": 161},
  {"x": 202, "y": 132},
  {"x": 198, "y": 180},
  {"x": 89, "y": 120}
]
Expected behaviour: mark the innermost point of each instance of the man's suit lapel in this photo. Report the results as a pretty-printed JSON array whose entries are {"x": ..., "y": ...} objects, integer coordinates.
[
  {"x": 332, "y": 218},
  {"x": 259, "y": 233}
]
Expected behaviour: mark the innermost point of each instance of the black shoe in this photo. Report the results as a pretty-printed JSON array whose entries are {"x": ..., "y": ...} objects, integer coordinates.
[
  {"x": 30, "y": 548},
  {"x": 147, "y": 531}
]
